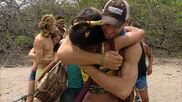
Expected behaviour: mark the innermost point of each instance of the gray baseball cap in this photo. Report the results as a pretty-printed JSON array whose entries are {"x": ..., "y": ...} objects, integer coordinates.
[{"x": 115, "y": 12}]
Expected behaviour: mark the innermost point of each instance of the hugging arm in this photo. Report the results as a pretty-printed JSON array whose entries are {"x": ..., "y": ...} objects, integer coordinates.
[
  {"x": 70, "y": 53},
  {"x": 132, "y": 36},
  {"x": 122, "y": 85}
]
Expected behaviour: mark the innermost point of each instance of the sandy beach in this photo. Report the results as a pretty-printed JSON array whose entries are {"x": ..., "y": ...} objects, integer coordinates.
[{"x": 165, "y": 83}]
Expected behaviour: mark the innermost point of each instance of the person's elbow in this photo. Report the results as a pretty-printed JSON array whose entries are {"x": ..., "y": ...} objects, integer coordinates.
[
  {"x": 141, "y": 32},
  {"x": 31, "y": 56},
  {"x": 123, "y": 94}
]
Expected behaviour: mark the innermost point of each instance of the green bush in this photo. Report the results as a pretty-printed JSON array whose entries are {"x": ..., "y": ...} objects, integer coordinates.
[{"x": 24, "y": 41}]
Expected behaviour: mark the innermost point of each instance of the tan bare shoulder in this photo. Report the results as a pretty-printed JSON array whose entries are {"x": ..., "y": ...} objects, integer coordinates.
[
  {"x": 38, "y": 41},
  {"x": 38, "y": 37},
  {"x": 133, "y": 53}
]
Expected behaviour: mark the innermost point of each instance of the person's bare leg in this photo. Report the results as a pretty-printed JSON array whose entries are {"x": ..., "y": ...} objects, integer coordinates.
[
  {"x": 144, "y": 95},
  {"x": 31, "y": 83},
  {"x": 31, "y": 88},
  {"x": 137, "y": 95}
]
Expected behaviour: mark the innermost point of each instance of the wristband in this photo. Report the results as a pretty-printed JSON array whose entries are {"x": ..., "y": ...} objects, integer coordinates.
[{"x": 102, "y": 59}]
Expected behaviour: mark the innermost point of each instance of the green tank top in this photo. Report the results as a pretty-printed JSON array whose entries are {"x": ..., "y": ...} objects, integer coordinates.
[{"x": 74, "y": 76}]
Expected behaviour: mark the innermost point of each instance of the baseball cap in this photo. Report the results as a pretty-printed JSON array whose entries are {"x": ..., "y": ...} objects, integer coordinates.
[{"x": 115, "y": 12}]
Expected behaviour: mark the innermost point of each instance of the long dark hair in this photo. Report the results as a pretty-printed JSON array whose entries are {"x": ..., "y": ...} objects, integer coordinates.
[
  {"x": 56, "y": 47},
  {"x": 83, "y": 33}
]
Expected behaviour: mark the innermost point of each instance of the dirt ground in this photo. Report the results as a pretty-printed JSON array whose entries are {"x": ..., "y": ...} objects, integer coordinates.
[{"x": 165, "y": 83}]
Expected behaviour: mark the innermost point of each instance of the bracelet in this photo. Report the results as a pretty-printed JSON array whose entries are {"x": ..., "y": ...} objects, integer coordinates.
[{"x": 102, "y": 59}]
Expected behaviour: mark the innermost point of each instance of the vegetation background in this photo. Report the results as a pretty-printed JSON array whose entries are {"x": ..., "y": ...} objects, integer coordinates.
[{"x": 161, "y": 19}]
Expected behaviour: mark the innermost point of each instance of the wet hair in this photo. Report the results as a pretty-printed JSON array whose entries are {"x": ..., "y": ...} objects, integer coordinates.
[
  {"x": 47, "y": 21},
  {"x": 89, "y": 13},
  {"x": 56, "y": 47},
  {"x": 57, "y": 32},
  {"x": 59, "y": 17},
  {"x": 83, "y": 33},
  {"x": 59, "y": 20}
]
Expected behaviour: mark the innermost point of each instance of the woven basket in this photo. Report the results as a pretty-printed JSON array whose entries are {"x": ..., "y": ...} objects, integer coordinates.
[{"x": 52, "y": 85}]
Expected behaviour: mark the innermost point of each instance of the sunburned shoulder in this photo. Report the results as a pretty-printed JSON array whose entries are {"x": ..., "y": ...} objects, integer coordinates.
[{"x": 132, "y": 53}]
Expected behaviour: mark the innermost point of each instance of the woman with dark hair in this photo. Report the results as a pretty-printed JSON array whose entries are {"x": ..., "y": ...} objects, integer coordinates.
[
  {"x": 75, "y": 81},
  {"x": 86, "y": 28}
]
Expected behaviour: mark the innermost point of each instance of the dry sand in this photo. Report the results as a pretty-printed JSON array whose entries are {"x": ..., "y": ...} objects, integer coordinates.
[{"x": 165, "y": 83}]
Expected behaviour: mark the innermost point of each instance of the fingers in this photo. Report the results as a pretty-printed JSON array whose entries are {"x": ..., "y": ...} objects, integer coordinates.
[
  {"x": 112, "y": 60},
  {"x": 113, "y": 52},
  {"x": 149, "y": 72},
  {"x": 114, "y": 55}
]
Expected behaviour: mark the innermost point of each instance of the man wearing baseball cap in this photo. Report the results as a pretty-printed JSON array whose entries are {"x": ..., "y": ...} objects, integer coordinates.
[{"x": 115, "y": 15}]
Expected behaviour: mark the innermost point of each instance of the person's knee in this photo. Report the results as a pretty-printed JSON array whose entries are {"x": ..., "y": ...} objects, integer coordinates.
[{"x": 145, "y": 98}]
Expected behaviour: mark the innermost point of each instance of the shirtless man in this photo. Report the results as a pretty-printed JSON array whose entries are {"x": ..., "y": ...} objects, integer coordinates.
[
  {"x": 31, "y": 83},
  {"x": 43, "y": 44},
  {"x": 144, "y": 70},
  {"x": 56, "y": 37}
]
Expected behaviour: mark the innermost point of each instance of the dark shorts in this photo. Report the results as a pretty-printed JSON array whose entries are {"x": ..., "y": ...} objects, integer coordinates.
[
  {"x": 32, "y": 75},
  {"x": 70, "y": 94},
  {"x": 141, "y": 83}
]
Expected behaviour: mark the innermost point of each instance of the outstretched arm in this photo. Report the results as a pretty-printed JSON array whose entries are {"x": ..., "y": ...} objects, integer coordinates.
[{"x": 123, "y": 85}]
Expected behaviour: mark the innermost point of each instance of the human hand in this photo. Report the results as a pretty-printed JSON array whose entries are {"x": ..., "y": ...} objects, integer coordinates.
[
  {"x": 112, "y": 60},
  {"x": 41, "y": 79},
  {"x": 149, "y": 71}
]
